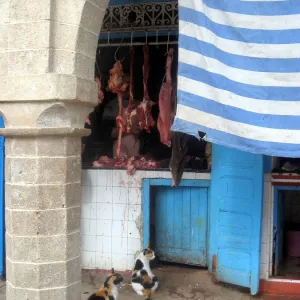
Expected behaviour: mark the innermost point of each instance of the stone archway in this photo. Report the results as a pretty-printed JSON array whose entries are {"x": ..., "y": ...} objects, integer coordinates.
[{"x": 47, "y": 88}]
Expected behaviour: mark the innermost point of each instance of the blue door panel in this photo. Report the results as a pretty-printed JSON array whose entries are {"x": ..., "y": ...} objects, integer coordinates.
[
  {"x": 236, "y": 212},
  {"x": 181, "y": 224}
]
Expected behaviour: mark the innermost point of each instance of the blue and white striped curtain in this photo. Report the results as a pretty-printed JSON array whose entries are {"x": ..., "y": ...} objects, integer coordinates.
[{"x": 239, "y": 74}]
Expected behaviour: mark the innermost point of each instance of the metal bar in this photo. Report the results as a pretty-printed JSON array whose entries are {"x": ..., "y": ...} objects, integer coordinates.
[{"x": 137, "y": 44}]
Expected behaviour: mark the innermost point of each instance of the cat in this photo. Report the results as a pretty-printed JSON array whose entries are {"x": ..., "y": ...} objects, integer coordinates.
[
  {"x": 143, "y": 281},
  {"x": 109, "y": 290}
]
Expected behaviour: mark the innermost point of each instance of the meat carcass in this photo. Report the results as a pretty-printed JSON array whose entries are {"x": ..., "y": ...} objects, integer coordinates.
[
  {"x": 100, "y": 92},
  {"x": 143, "y": 111},
  {"x": 166, "y": 99},
  {"x": 118, "y": 85},
  {"x": 130, "y": 111}
]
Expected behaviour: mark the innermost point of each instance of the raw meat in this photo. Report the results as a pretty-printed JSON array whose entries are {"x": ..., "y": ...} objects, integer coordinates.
[
  {"x": 143, "y": 111},
  {"x": 100, "y": 92},
  {"x": 166, "y": 104},
  {"x": 118, "y": 85},
  {"x": 130, "y": 111},
  {"x": 131, "y": 164}
]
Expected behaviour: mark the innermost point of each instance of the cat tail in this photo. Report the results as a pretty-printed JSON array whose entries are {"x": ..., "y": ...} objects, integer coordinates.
[{"x": 147, "y": 293}]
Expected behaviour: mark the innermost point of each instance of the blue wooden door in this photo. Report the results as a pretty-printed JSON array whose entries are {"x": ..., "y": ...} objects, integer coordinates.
[
  {"x": 181, "y": 224},
  {"x": 278, "y": 230},
  {"x": 2, "y": 202},
  {"x": 236, "y": 214}
]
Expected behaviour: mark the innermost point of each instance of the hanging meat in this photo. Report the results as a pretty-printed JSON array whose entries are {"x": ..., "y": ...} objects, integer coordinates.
[
  {"x": 100, "y": 92},
  {"x": 144, "y": 115},
  {"x": 130, "y": 111},
  {"x": 166, "y": 104},
  {"x": 118, "y": 85}
]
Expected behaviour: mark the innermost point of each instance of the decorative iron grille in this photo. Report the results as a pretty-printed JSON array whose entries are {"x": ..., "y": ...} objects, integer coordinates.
[{"x": 144, "y": 16}]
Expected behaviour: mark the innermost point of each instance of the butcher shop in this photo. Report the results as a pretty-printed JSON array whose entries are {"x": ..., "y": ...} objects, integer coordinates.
[
  {"x": 131, "y": 160},
  {"x": 165, "y": 162}
]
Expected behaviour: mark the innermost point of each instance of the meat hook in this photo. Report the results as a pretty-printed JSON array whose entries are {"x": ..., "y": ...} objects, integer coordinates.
[
  {"x": 131, "y": 38},
  {"x": 118, "y": 50},
  {"x": 168, "y": 43}
]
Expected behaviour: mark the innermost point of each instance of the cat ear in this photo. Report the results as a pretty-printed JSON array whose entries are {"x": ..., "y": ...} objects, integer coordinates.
[
  {"x": 112, "y": 272},
  {"x": 148, "y": 247}
]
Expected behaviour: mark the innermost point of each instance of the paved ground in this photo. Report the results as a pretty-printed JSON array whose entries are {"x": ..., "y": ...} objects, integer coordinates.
[{"x": 176, "y": 284}]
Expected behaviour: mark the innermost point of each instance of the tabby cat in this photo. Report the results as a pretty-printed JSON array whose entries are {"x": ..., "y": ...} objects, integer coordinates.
[
  {"x": 109, "y": 290},
  {"x": 143, "y": 281}
]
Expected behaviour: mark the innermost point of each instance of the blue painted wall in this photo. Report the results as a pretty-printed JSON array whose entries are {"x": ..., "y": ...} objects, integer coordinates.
[{"x": 2, "y": 205}]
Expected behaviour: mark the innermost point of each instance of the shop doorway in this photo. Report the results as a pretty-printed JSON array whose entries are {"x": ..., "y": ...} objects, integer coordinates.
[
  {"x": 286, "y": 233},
  {"x": 176, "y": 220}
]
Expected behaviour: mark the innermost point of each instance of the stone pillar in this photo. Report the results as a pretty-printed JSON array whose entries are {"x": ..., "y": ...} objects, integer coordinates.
[
  {"x": 47, "y": 89},
  {"x": 43, "y": 217}
]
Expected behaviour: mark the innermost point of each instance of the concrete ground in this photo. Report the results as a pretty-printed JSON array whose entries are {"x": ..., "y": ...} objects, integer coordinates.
[
  {"x": 176, "y": 284},
  {"x": 179, "y": 284}
]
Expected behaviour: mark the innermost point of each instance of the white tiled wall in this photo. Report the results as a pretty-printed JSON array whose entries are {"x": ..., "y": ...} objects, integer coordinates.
[
  {"x": 111, "y": 212},
  {"x": 267, "y": 225}
]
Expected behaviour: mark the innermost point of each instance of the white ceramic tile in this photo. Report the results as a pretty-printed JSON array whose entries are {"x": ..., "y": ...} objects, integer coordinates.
[
  {"x": 104, "y": 227},
  {"x": 189, "y": 175},
  {"x": 93, "y": 194},
  {"x": 137, "y": 179},
  {"x": 88, "y": 259},
  {"x": 85, "y": 210},
  {"x": 104, "y": 178},
  {"x": 134, "y": 211},
  {"x": 104, "y": 194},
  {"x": 103, "y": 244},
  {"x": 120, "y": 212},
  {"x": 89, "y": 226},
  {"x": 89, "y": 242},
  {"x": 120, "y": 195},
  {"x": 86, "y": 194},
  {"x": 103, "y": 261},
  {"x": 119, "y": 228},
  {"x": 89, "y": 177},
  {"x": 120, "y": 178},
  {"x": 89, "y": 210},
  {"x": 135, "y": 196},
  {"x": 130, "y": 262},
  {"x": 104, "y": 211},
  {"x": 119, "y": 245},
  {"x": 119, "y": 261},
  {"x": 134, "y": 245},
  {"x": 133, "y": 231}
]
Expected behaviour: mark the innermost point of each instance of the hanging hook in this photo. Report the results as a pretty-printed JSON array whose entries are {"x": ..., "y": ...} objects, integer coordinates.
[
  {"x": 168, "y": 43},
  {"x": 108, "y": 38},
  {"x": 146, "y": 36},
  {"x": 118, "y": 50},
  {"x": 131, "y": 40},
  {"x": 156, "y": 38}
]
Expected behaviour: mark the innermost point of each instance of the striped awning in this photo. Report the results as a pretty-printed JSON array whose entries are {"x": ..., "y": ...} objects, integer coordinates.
[{"x": 239, "y": 74}]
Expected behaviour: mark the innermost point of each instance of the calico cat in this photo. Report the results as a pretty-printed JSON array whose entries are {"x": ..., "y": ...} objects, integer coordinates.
[
  {"x": 143, "y": 281},
  {"x": 109, "y": 290}
]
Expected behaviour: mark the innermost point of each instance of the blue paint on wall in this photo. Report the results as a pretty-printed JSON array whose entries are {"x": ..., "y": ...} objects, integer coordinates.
[
  {"x": 267, "y": 164},
  {"x": 2, "y": 202}
]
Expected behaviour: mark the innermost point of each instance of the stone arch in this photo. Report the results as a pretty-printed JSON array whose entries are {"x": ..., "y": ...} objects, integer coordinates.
[{"x": 56, "y": 116}]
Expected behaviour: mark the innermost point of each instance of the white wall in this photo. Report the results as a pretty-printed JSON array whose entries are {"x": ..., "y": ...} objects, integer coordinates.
[
  {"x": 267, "y": 225},
  {"x": 111, "y": 220}
]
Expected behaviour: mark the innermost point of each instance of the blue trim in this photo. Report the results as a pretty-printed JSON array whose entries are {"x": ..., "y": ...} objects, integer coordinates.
[
  {"x": 236, "y": 114},
  {"x": 255, "y": 92},
  {"x": 257, "y": 64},
  {"x": 245, "y": 35},
  {"x": 146, "y": 186},
  {"x": 288, "y": 7},
  {"x": 234, "y": 141}
]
